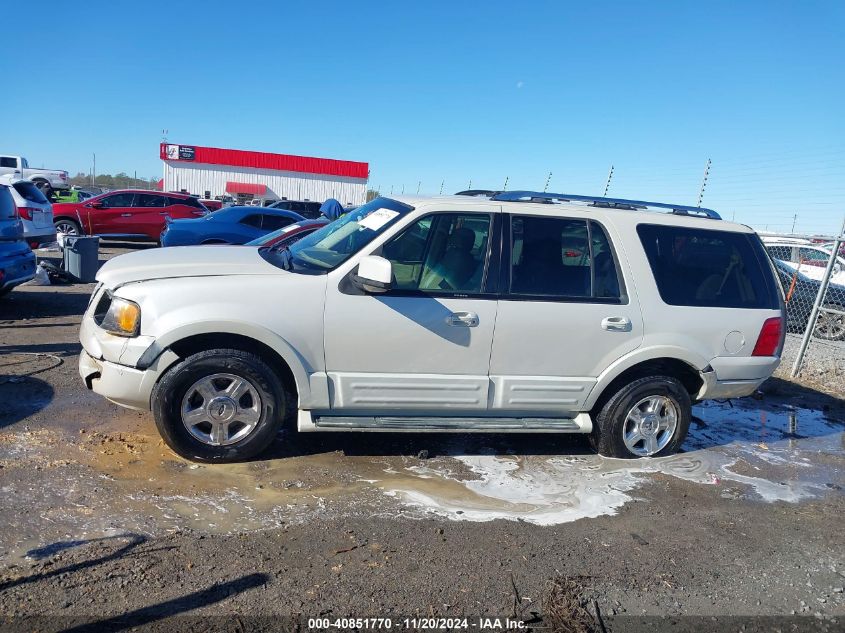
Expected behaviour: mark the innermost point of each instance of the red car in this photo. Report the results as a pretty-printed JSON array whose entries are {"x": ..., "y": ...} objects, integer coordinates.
[{"x": 127, "y": 214}]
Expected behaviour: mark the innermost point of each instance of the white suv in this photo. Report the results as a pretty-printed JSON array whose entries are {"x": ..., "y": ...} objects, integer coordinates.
[{"x": 526, "y": 312}]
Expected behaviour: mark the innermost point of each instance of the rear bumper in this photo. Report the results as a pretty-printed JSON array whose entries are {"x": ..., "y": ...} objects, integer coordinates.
[
  {"x": 17, "y": 269},
  {"x": 714, "y": 389}
]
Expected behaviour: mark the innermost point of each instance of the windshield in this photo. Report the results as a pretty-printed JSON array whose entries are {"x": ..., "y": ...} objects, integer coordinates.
[{"x": 333, "y": 244}]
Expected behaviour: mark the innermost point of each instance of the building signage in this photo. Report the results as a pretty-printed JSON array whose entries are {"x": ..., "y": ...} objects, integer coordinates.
[{"x": 177, "y": 152}]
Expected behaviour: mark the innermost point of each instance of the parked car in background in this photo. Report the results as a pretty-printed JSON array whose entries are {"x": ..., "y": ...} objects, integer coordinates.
[
  {"x": 530, "y": 312},
  {"x": 35, "y": 211},
  {"x": 132, "y": 214},
  {"x": 289, "y": 234},
  {"x": 73, "y": 195},
  {"x": 45, "y": 179},
  {"x": 17, "y": 261},
  {"x": 230, "y": 225},
  {"x": 211, "y": 205},
  {"x": 806, "y": 257},
  {"x": 306, "y": 208},
  {"x": 800, "y": 292}
]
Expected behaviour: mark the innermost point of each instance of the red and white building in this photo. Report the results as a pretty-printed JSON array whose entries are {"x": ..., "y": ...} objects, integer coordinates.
[{"x": 210, "y": 172}]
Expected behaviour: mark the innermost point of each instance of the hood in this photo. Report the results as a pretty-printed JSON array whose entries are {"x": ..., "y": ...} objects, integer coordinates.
[{"x": 184, "y": 261}]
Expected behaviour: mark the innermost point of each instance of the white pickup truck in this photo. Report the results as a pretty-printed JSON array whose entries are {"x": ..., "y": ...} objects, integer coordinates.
[{"x": 45, "y": 179}]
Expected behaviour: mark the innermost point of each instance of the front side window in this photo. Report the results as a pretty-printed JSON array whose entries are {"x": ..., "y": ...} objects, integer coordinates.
[
  {"x": 117, "y": 200},
  {"x": 560, "y": 257},
  {"x": 709, "y": 268},
  {"x": 446, "y": 252}
]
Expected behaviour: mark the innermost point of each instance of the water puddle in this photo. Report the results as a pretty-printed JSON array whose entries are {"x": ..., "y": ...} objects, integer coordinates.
[
  {"x": 92, "y": 480},
  {"x": 786, "y": 455}
]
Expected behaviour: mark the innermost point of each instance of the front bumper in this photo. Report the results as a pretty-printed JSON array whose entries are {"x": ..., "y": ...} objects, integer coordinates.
[{"x": 127, "y": 386}]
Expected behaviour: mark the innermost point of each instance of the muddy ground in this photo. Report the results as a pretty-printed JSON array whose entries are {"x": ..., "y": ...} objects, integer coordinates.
[{"x": 98, "y": 519}]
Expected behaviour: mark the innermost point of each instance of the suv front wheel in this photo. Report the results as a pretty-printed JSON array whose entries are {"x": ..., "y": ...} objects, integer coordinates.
[
  {"x": 222, "y": 405},
  {"x": 649, "y": 417}
]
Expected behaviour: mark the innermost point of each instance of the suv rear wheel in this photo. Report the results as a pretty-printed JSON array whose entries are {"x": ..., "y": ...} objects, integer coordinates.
[
  {"x": 222, "y": 405},
  {"x": 649, "y": 417}
]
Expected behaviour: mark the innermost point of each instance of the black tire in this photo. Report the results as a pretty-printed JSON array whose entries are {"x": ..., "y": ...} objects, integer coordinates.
[
  {"x": 71, "y": 225},
  {"x": 45, "y": 187},
  {"x": 170, "y": 390},
  {"x": 6, "y": 291},
  {"x": 609, "y": 423}
]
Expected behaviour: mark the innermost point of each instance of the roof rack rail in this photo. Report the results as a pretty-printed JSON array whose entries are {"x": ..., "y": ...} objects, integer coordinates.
[{"x": 598, "y": 201}]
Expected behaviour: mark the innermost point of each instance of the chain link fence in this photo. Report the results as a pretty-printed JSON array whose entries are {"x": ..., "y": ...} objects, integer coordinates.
[{"x": 813, "y": 276}]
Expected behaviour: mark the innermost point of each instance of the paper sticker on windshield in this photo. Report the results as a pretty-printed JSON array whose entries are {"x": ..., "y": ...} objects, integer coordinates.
[{"x": 377, "y": 219}]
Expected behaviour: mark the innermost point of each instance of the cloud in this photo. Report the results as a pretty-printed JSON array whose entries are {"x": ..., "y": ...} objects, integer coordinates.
[{"x": 520, "y": 84}]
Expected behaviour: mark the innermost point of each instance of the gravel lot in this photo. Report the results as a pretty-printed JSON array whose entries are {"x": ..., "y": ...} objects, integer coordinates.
[{"x": 100, "y": 522}]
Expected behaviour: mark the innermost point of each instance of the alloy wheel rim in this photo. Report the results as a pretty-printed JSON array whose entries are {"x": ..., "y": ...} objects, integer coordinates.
[
  {"x": 65, "y": 229},
  {"x": 830, "y": 325},
  {"x": 221, "y": 409},
  {"x": 650, "y": 425}
]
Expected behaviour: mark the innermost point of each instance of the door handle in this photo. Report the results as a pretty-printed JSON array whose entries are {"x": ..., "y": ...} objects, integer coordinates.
[
  {"x": 616, "y": 324},
  {"x": 463, "y": 319}
]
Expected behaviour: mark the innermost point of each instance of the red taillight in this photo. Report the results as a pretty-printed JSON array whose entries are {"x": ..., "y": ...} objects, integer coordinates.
[
  {"x": 768, "y": 343},
  {"x": 26, "y": 212}
]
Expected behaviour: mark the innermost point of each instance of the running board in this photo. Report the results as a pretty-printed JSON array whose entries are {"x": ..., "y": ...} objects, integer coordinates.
[{"x": 581, "y": 423}]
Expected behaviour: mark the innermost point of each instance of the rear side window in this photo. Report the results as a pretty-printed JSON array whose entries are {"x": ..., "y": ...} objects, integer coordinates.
[
  {"x": 30, "y": 192},
  {"x": 252, "y": 220},
  {"x": 149, "y": 200},
  {"x": 8, "y": 161},
  {"x": 562, "y": 258},
  {"x": 717, "y": 269},
  {"x": 275, "y": 222}
]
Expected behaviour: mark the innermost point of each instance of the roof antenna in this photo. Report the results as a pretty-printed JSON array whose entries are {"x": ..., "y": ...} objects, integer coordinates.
[
  {"x": 704, "y": 182},
  {"x": 607, "y": 184}
]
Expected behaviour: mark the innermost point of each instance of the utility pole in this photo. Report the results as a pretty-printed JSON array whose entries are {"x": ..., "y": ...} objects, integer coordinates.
[
  {"x": 442, "y": 182},
  {"x": 470, "y": 184},
  {"x": 607, "y": 184},
  {"x": 505, "y": 186},
  {"x": 548, "y": 180},
  {"x": 794, "y": 220},
  {"x": 94, "y": 170},
  {"x": 704, "y": 182},
  {"x": 419, "y": 184}
]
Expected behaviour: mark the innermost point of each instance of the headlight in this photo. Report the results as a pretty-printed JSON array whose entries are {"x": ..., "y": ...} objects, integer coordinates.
[{"x": 123, "y": 317}]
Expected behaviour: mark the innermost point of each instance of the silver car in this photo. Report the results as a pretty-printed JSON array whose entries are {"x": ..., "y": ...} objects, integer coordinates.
[{"x": 34, "y": 209}]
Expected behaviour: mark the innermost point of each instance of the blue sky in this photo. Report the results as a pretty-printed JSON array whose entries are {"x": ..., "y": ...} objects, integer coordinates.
[{"x": 430, "y": 92}]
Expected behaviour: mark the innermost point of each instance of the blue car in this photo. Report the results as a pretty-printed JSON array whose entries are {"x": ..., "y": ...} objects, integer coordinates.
[
  {"x": 230, "y": 225},
  {"x": 17, "y": 261}
]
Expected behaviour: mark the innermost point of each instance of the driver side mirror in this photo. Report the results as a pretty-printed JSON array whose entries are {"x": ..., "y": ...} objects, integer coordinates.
[{"x": 374, "y": 274}]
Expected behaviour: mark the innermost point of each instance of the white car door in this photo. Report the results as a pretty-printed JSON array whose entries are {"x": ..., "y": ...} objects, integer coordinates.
[
  {"x": 564, "y": 315},
  {"x": 424, "y": 345}
]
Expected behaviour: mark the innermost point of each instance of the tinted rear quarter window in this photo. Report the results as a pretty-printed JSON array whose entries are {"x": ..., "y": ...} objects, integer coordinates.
[{"x": 707, "y": 268}]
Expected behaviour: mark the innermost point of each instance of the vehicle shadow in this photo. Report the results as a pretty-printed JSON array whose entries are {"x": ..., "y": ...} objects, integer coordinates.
[
  {"x": 169, "y": 608},
  {"x": 21, "y": 397}
]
